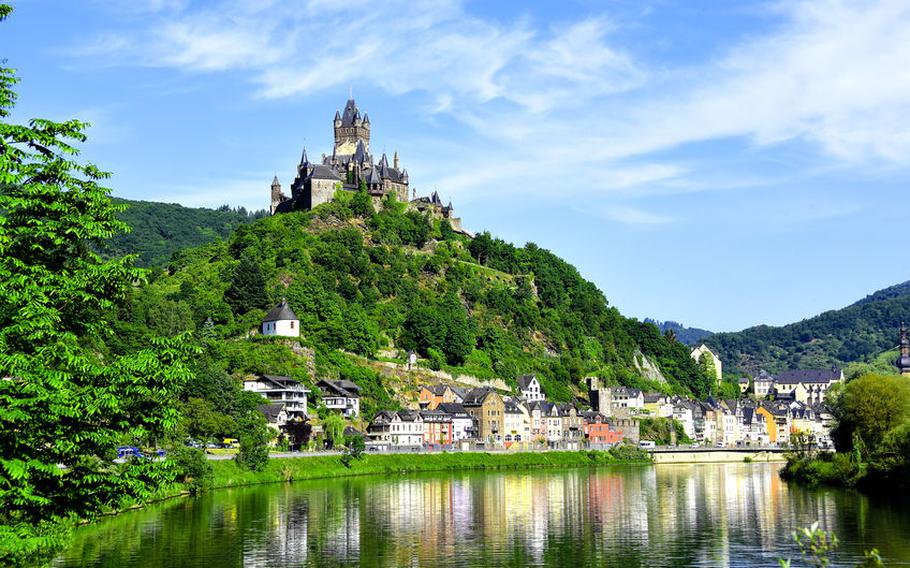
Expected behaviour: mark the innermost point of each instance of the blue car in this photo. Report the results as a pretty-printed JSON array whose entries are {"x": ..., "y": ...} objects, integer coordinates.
[{"x": 124, "y": 452}]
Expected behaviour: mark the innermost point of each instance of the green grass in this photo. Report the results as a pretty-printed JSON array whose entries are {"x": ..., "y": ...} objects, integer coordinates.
[{"x": 228, "y": 474}]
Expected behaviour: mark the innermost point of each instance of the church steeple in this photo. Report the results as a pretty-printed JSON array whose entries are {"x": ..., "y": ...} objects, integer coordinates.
[{"x": 903, "y": 361}]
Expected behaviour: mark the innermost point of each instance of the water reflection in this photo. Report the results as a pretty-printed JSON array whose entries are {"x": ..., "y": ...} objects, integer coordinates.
[{"x": 667, "y": 515}]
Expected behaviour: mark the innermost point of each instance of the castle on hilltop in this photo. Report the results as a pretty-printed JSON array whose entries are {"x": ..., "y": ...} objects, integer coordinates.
[{"x": 351, "y": 166}]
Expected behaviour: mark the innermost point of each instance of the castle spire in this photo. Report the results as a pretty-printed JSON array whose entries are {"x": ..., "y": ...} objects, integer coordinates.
[
  {"x": 303, "y": 157},
  {"x": 275, "y": 182},
  {"x": 395, "y": 160}
]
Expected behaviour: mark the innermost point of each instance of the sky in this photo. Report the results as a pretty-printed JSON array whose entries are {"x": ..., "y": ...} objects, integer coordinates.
[{"x": 719, "y": 164}]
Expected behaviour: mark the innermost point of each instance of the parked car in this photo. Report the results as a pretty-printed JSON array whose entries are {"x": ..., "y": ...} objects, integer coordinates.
[{"x": 647, "y": 444}]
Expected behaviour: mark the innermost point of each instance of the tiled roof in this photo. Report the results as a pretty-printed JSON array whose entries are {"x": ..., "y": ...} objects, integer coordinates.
[{"x": 524, "y": 381}]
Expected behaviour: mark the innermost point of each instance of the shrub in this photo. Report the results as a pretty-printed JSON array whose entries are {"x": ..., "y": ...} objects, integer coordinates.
[{"x": 193, "y": 469}]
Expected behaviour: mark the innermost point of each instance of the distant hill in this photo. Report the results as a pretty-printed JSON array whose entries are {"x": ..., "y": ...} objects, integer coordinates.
[
  {"x": 688, "y": 335},
  {"x": 857, "y": 333},
  {"x": 161, "y": 229}
]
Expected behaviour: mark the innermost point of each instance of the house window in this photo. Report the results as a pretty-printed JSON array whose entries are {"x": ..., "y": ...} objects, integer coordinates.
[{"x": 292, "y": 325}]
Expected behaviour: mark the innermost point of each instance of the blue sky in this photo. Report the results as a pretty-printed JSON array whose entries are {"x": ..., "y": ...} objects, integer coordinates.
[{"x": 719, "y": 164}]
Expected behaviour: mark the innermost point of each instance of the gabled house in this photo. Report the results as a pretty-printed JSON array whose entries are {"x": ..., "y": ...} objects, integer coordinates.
[
  {"x": 517, "y": 423},
  {"x": 341, "y": 396},
  {"x": 658, "y": 405},
  {"x": 487, "y": 409},
  {"x": 530, "y": 388},
  {"x": 280, "y": 389},
  {"x": 762, "y": 384},
  {"x": 432, "y": 396},
  {"x": 437, "y": 428},
  {"x": 398, "y": 429},
  {"x": 275, "y": 415},
  {"x": 463, "y": 427},
  {"x": 572, "y": 425}
]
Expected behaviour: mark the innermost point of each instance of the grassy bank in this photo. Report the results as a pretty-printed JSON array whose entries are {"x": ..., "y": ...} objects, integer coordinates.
[
  {"x": 845, "y": 470},
  {"x": 228, "y": 474}
]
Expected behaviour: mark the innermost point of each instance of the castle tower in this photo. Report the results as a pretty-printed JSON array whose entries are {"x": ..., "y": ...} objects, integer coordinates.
[
  {"x": 395, "y": 160},
  {"x": 277, "y": 196},
  {"x": 903, "y": 361},
  {"x": 351, "y": 128}
]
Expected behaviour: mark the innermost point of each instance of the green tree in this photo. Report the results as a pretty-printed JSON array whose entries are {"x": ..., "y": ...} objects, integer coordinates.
[
  {"x": 255, "y": 436},
  {"x": 66, "y": 403},
  {"x": 247, "y": 290},
  {"x": 869, "y": 407},
  {"x": 333, "y": 426},
  {"x": 362, "y": 203},
  {"x": 706, "y": 364}
]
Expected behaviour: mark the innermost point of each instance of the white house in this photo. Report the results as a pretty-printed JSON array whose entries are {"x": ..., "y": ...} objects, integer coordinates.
[
  {"x": 762, "y": 384},
  {"x": 285, "y": 390},
  {"x": 341, "y": 396},
  {"x": 615, "y": 398},
  {"x": 462, "y": 423},
  {"x": 400, "y": 429},
  {"x": 516, "y": 422},
  {"x": 281, "y": 321},
  {"x": 530, "y": 388}
]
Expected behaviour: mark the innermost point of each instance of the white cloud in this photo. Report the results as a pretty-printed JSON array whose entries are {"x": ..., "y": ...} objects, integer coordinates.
[{"x": 567, "y": 98}]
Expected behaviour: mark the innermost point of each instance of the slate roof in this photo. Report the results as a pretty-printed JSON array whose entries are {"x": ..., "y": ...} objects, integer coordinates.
[
  {"x": 453, "y": 408},
  {"x": 280, "y": 312},
  {"x": 475, "y": 397},
  {"x": 350, "y": 112},
  {"x": 271, "y": 411},
  {"x": 809, "y": 376},
  {"x": 324, "y": 172},
  {"x": 626, "y": 391},
  {"x": 339, "y": 388},
  {"x": 654, "y": 398},
  {"x": 524, "y": 381},
  {"x": 281, "y": 382}
]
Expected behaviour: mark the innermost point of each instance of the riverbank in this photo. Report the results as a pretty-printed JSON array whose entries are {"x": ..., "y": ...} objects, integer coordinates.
[
  {"x": 229, "y": 474},
  {"x": 844, "y": 470}
]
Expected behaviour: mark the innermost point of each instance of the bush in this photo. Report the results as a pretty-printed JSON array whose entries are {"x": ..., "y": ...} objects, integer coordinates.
[
  {"x": 192, "y": 468},
  {"x": 254, "y": 439}
]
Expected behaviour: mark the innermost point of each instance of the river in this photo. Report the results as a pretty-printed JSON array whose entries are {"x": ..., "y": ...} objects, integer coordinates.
[{"x": 624, "y": 516}]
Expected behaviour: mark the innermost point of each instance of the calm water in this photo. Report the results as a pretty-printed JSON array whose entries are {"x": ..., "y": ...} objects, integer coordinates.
[{"x": 665, "y": 515}]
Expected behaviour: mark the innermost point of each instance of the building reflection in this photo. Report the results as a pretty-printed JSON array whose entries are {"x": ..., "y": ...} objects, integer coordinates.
[{"x": 668, "y": 515}]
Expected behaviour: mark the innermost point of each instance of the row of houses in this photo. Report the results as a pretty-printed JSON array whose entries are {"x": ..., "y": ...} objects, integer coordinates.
[
  {"x": 723, "y": 423},
  {"x": 451, "y": 416}
]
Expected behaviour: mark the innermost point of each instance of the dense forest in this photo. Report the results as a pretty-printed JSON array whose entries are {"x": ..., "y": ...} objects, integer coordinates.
[
  {"x": 858, "y": 332},
  {"x": 161, "y": 229},
  {"x": 691, "y": 336},
  {"x": 369, "y": 282}
]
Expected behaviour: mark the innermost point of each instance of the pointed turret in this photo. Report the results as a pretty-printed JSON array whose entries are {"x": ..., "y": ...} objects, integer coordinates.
[
  {"x": 303, "y": 157},
  {"x": 404, "y": 176},
  {"x": 395, "y": 160},
  {"x": 366, "y": 120},
  {"x": 384, "y": 162},
  {"x": 276, "y": 183}
]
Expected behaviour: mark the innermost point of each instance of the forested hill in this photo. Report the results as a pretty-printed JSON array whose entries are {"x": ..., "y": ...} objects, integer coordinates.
[
  {"x": 858, "y": 332},
  {"x": 161, "y": 229},
  {"x": 376, "y": 283},
  {"x": 689, "y": 335}
]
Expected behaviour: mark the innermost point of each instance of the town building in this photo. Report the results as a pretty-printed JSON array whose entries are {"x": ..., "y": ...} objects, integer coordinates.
[
  {"x": 279, "y": 389},
  {"x": 612, "y": 399},
  {"x": 517, "y": 423},
  {"x": 275, "y": 415},
  {"x": 743, "y": 384},
  {"x": 463, "y": 427},
  {"x": 432, "y": 396},
  {"x": 808, "y": 385},
  {"x": 658, "y": 405},
  {"x": 597, "y": 431},
  {"x": 762, "y": 384},
  {"x": 399, "y": 429},
  {"x": 572, "y": 426},
  {"x": 437, "y": 428},
  {"x": 487, "y": 409},
  {"x": 704, "y": 350},
  {"x": 281, "y": 321},
  {"x": 340, "y": 396},
  {"x": 530, "y": 388}
]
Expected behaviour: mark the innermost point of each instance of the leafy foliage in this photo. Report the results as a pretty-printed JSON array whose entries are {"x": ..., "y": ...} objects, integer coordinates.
[
  {"x": 858, "y": 332},
  {"x": 162, "y": 229},
  {"x": 65, "y": 404}
]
